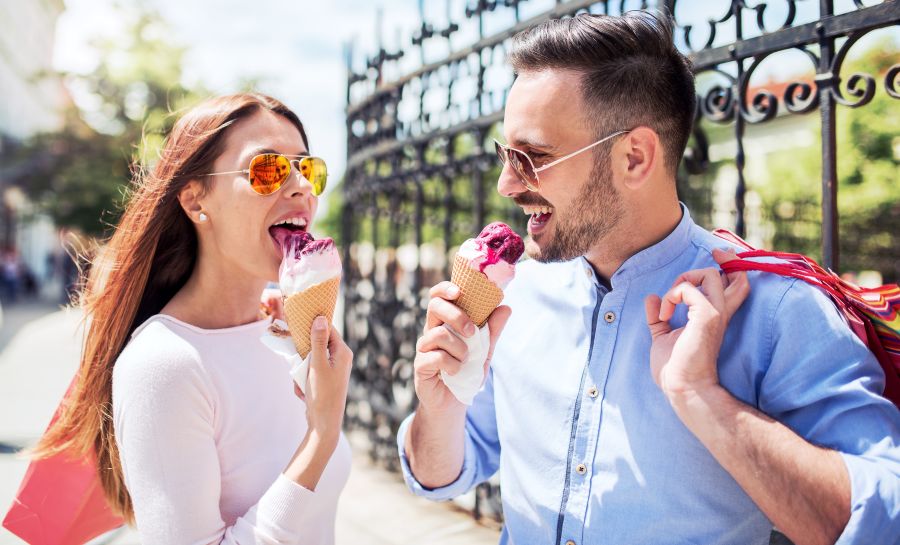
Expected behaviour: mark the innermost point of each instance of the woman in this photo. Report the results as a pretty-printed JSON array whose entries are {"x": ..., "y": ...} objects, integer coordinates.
[{"x": 198, "y": 432}]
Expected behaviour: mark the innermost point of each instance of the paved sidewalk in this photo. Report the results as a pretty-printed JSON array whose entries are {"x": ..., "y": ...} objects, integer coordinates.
[{"x": 39, "y": 360}]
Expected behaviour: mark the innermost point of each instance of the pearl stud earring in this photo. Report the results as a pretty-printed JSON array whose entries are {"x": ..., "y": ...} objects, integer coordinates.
[{"x": 203, "y": 216}]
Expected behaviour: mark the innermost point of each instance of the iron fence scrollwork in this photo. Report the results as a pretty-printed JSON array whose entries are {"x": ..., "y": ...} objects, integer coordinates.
[{"x": 421, "y": 168}]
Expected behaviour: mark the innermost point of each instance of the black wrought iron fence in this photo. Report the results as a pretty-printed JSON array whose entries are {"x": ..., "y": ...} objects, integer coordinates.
[{"x": 421, "y": 169}]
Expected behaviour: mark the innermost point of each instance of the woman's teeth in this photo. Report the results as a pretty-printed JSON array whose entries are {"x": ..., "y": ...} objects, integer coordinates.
[{"x": 298, "y": 222}]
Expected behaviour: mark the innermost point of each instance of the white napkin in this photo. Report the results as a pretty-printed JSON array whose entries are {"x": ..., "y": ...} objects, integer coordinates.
[
  {"x": 284, "y": 346},
  {"x": 468, "y": 381}
]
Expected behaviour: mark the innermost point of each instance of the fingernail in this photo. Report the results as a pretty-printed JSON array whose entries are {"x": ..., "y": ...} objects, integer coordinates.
[
  {"x": 469, "y": 330},
  {"x": 452, "y": 291},
  {"x": 320, "y": 323}
]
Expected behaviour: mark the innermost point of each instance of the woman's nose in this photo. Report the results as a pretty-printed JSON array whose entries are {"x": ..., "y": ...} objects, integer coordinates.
[{"x": 296, "y": 184}]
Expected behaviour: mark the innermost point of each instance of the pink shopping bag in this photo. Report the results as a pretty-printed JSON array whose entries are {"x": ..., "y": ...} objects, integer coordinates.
[{"x": 60, "y": 502}]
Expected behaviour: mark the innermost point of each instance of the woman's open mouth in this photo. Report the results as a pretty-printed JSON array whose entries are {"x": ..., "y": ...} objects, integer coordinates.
[{"x": 283, "y": 229}]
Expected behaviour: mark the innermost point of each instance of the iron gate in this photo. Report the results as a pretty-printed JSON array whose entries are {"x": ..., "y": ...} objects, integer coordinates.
[{"x": 421, "y": 168}]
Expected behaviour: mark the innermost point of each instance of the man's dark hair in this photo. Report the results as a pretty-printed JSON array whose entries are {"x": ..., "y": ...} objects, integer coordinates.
[{"x": 633, "y": 74}]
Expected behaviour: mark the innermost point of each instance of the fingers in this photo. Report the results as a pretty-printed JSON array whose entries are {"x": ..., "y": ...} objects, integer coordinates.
[
  {"x": 445, "y": 290},
  {"x": 272, "y": 303},
  {"x": 441, "y": 311},
  {"x": 737, "y": 286},
  {"x": 736, "y": 293},
  {"x": 724, "y": 256},
  {"x": 496, "y": 322},
  {"x": 652, "y": 308},
  {"x": 319, "y": 340},
  {"x": 687, "y": 293},
  {"x": 431, "y": 363},
  {"x": 441, "y": 338},
  {"x": 710, "y": 282},
  {"x": 338, "y": 350}
]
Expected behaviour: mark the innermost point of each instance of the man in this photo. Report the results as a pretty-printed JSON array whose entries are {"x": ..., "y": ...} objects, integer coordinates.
[{"x": 615, "y": 417}]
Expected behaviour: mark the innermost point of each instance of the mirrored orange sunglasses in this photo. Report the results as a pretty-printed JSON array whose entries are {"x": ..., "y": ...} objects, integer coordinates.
[{"x": 269, "y": 171}]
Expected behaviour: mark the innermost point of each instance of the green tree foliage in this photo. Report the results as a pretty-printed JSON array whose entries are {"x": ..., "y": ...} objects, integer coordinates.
[
  {"x": 80, "y": 174},
  {"x": 868, "y": 169}
]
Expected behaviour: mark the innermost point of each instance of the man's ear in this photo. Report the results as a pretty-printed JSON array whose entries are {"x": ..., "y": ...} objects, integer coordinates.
[
  {"x": 641, "y": 152},
  {"x": 190, "y": 197}
]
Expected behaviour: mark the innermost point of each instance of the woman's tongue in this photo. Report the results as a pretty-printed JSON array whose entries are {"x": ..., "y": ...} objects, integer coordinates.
[{"x": 283, "y": 235}]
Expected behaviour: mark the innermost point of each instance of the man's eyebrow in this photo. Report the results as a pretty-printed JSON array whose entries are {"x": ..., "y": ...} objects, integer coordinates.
[{"x": 530, "y": 143}]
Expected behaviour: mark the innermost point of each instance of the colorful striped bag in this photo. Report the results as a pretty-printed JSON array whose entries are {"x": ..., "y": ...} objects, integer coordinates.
[{"x": 872, "y": 313}]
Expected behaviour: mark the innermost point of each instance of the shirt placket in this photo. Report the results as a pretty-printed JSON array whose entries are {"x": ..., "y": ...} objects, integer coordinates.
[{"x": 589, "y": 417}]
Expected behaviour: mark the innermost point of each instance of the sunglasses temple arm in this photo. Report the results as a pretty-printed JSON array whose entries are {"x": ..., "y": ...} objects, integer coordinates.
[
  {"x": 229, "y": 172},
  {"x": 582, "y": 150}
]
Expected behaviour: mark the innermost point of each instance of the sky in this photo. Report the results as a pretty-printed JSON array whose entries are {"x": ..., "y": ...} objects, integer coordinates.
[{"x": 295, "y": 49}]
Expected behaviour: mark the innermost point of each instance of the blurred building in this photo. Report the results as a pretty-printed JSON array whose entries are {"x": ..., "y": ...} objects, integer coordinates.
[{"x": 33, "y": 100}]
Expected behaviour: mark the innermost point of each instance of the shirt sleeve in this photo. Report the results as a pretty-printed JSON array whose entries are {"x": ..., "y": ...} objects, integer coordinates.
[
  {"x": 164, "y": 416},
  {"x": 482, "y": 449},
  {"x": 825, "y": 384}
]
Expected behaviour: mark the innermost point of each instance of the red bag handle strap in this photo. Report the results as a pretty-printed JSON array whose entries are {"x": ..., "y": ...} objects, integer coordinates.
[{"x": 793, "y": 265}]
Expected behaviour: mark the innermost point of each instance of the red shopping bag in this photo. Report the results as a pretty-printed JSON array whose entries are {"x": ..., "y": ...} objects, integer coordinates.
[
  {"x": 873, "y": 314},
  {"x": 60, "y": 502}
]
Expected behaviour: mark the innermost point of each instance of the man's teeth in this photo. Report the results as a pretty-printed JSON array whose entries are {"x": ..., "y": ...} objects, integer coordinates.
[
  {"x": 299, "y": 222},
  {"x": 534, "y": 210}
]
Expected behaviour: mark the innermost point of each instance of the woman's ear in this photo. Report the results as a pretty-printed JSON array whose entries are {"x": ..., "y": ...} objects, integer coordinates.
[{"x": 190, "y": 197}]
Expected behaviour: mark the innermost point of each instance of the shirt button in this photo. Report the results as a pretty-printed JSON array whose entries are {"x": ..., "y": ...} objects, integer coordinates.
[
  {"x": 610, "y": 317},
  {"x": 588, "y": 272},
  {"x": 593, "y": 391},
  {"x": 581, "y": 469}
]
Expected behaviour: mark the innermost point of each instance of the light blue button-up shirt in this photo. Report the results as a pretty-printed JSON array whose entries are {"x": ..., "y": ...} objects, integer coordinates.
[{"x": 590, "y": 451}]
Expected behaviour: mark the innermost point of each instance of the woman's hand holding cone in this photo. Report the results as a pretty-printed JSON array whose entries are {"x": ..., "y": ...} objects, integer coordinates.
[{"x": 329, "y": 375}]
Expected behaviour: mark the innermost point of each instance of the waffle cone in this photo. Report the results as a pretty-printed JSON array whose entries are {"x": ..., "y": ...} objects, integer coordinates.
[
  {"x": 478, "y": 295},
  {"x": 302, "y": 308}
]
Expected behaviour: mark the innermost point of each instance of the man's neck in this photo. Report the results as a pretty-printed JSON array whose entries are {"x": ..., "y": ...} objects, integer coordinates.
[{"x": 639, "y": 230}]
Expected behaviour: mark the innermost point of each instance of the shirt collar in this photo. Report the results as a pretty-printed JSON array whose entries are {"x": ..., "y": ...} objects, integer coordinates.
[{"x": 654, "y": 257}]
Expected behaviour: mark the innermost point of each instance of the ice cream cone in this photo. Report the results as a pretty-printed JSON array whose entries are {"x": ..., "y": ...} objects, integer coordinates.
[
  {"x": 478, "y": 295},
  {"x": 302, "y": 308}
]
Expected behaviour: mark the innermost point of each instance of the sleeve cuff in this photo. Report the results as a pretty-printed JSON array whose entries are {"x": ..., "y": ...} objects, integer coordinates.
[
  {"x": 874, "y": 502},
  {"x": 286, "y": 509},
  {"x": 461, "y": 485}
]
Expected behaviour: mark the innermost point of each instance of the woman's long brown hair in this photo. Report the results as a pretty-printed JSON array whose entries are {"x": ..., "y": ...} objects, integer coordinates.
[{"x": 147, "y": 260}]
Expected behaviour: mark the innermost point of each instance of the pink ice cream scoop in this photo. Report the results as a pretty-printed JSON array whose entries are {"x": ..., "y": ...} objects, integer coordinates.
[
  {"x": 494, "y": 252},
  {"x": 307, "y": 262}
]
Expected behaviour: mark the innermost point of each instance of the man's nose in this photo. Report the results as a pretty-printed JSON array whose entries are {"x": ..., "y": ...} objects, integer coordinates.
[{"x": 508, "y": 184}]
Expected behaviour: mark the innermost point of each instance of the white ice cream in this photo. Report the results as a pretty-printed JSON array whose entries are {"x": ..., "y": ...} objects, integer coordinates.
[
  {"x": 500, "y": 273},
  {"x": 314, "y": 268}
]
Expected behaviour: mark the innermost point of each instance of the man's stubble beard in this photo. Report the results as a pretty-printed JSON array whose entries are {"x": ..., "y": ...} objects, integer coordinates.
[{"x": 595, "y": 213}]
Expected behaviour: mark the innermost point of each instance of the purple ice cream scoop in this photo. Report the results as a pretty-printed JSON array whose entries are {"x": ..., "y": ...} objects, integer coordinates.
[
  {"x": 500, "y": 242},
  {"x": 295, "y": 243},
  {"x": 314, "y": 246}
]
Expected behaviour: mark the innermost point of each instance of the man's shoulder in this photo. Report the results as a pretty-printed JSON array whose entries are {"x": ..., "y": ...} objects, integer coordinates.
[
  {"x": 776, "y": 298},
  {"x": 767, "y": 288}
]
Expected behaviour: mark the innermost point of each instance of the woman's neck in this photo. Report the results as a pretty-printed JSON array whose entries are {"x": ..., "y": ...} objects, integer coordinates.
[{"x": 216, "y": 297}]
